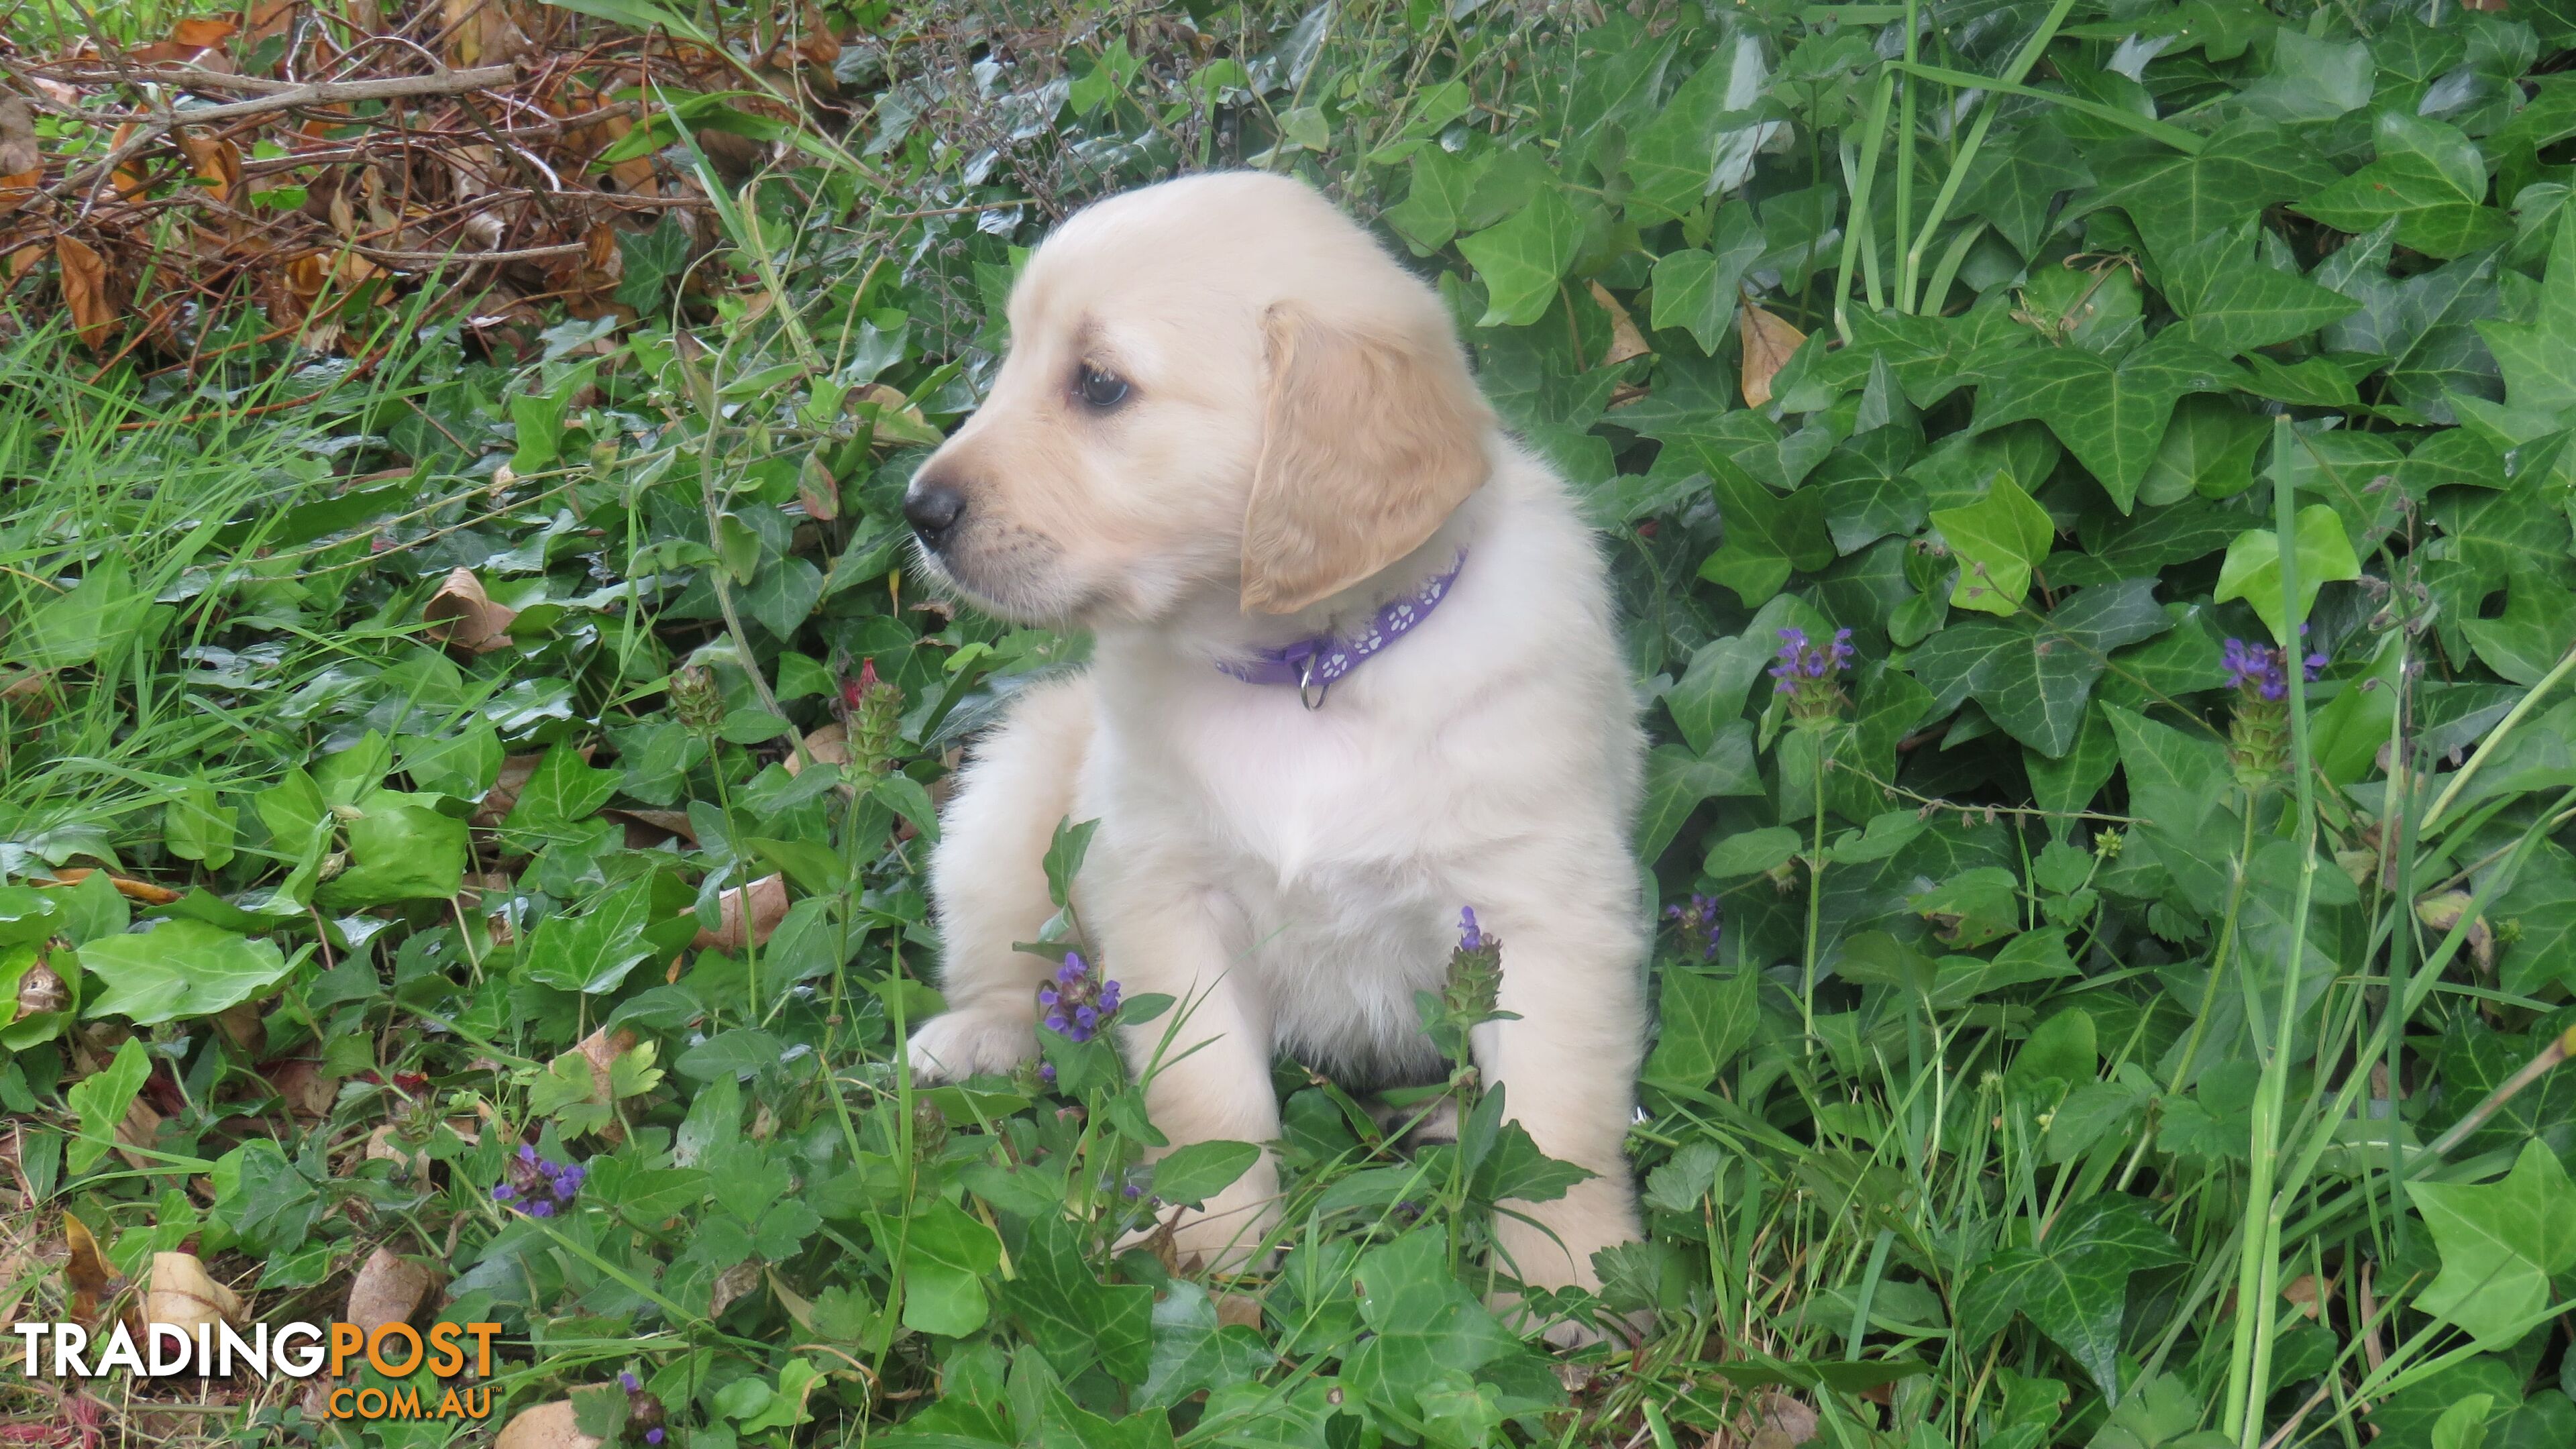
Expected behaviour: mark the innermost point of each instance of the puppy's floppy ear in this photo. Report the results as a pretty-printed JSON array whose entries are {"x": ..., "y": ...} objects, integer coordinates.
[{"x": 1369, "y": 441}]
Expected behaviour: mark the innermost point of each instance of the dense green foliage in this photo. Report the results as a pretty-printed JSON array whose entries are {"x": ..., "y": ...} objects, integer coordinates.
[{"x": 2093, "y": 1046}]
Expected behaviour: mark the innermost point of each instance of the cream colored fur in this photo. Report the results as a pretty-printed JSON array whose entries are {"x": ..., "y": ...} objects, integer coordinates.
[{"x": 1301, "y": 435}]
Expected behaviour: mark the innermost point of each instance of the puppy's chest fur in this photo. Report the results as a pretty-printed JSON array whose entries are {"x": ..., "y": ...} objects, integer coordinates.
[{"x": 1327, "y": 848}]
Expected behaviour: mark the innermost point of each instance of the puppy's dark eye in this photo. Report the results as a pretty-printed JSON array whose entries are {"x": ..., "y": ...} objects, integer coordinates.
[{"x": 1101, "y": 389}]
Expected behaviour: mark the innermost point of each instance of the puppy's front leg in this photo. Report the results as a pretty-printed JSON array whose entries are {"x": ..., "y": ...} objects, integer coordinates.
[
  {"x": 1568, "y": 1070},
  {"x": 1211, "y": 1081}
]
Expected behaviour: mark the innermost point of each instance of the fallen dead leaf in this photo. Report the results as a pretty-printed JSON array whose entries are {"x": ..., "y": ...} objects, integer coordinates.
[
  {"x": 141, "y": 1125},
  {"x": 243, "y": 1026},
  {"x": 308, "y": 1092},
  {"x": 817, "y": 489},
  {"x": 730, "y": 1285},
  {"x": 1769, "y": 342},
  {"x": 88, "y": 292},
  {"x": 385, "y": 1144},
  {"x": 388, "y": 1289},
  {"x": 1238, "y": 1309},
  {"x": 84, "y": 1270},
  {"x": 2443, "y": 912},
  {"x": 658, "y": 824},
  {"x": 2302, "y": 1293},
  {"x": 18, "y": 153},
  {"x": 601, "y": 1050},
  {"x": 547, "y": 1426},
  {"x": 1625, "y": 340},
  {"x": 184, "y": 1293},
  {"x": 828, "y": 744},
  {"x": 133, "y": 890},
  {"x": 503, "y": 797},
  {"x": 203, "y": 32},
  {"x": 481, "y": 32},
  {"x": 768, "y": 906},
  {"x": 462, "y": 616}
]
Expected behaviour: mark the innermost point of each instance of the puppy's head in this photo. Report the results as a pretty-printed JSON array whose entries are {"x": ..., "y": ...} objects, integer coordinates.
[{"x": 1217, "y": 382}]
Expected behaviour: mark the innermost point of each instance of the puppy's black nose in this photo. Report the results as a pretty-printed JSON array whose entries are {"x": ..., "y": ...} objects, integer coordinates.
[{"x": 933, "y": 508}]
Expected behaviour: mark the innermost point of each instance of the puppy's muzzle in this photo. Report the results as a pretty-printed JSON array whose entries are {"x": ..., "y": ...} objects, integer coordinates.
[{"x": 935, "y": 508}]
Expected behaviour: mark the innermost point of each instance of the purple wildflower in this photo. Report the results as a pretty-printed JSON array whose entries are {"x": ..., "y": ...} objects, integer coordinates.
[
  {"x": 1078, "y": 1001},
  {"x": 539, "y": 1186},
  {"x": 1470, "y": 938},
  {"x": 1132, "y": 1191},
  {"x": 2261, "y": 671},
  {"x": 653, "y": 1436},
  {"x": 1697, "y": 918},
  {"x": 629, "y": 1382},
  {"x": 2258, "y": 732},
  {"x": 1046, "y": 1073},
  {"x": 1809, "y": 674}
]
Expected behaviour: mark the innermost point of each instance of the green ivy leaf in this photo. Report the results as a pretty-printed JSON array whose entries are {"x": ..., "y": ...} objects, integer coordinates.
[
  {"x": 1200, "y": 1170},
  {"x": 560, "y": 794},
  {"x": 950, "y": 1256},
  {"x": 1767, "y": 537},
  {"x": 1522, "y": 259},
  {"x": 2176, "y": 199},
  {"x": 100, "y": 1100},
  {"x": 1998, "y": 540},
  {"x": 179, "y": 969},
  {"x": 2501, "y": 1243},
  {"x": 2430, "y": 178},
  {"x": 2110, "y": 415},
  {"x": 2074, "y": 1284},
  {"x": 2252, "y": 571},
  {"x": 2232, "y": 301},
  {"x": 1696, "y": 289}
]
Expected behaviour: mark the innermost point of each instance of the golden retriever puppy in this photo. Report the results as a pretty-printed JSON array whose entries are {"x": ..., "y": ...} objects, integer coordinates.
[{"x": 1355, "y": 669}]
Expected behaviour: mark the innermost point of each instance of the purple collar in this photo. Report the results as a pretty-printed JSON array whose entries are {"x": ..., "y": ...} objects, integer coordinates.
[{"x": 1314, "y": 663}]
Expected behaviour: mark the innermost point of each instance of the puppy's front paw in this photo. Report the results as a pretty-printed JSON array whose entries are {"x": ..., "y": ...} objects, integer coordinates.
[{"x": 955, "y": 1045}]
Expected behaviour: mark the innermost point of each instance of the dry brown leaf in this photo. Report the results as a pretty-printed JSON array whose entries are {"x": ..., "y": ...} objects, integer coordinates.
[
  {"x": 388, "y": 1289},
  {"x": 42, "y": 988},
  {"x": 547, "y": 1426},
  {"x": 308, "y": 1092},
  {"x": 462, "y": 616},
  {"x": 481, "y": 32},
  {"x": 141, "y": 1125},
  {"x": 2302, "y": 1293},
  {"x": 88, "y": 291},
  {"x": 503, "y": 797},
  {"x": 2443, "y": 912},
  {"x": 385, "y": 1144},
  {"x": 818, "y": 490},
  {"x": 216, "y": 161},
  {"x": 648, "y": 828},
  {"x": 85, "y": 1272},
  {"x": 730, "y": 1285},
  {"x": 204, "y": 32},
  {"x": 18, "y": 153},
  {"x": 1625, "y": 340},
  {"x": 1233, "y": 1309},
  {"x": 601, "y": 1050},
  {"x": 815, "y": 42},
  {"x": 1768, "y": 344},
  {"x": 768, "y": 898},
  {"x": 243, "y": 1026},
  {"x": 133, "y": 890},
  {"x": 828, "y": 744},
  {"x": 185, "y": 1294}
]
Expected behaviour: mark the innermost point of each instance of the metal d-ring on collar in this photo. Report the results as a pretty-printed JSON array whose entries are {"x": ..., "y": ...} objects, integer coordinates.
[{"x": 1314, "y": 664}]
